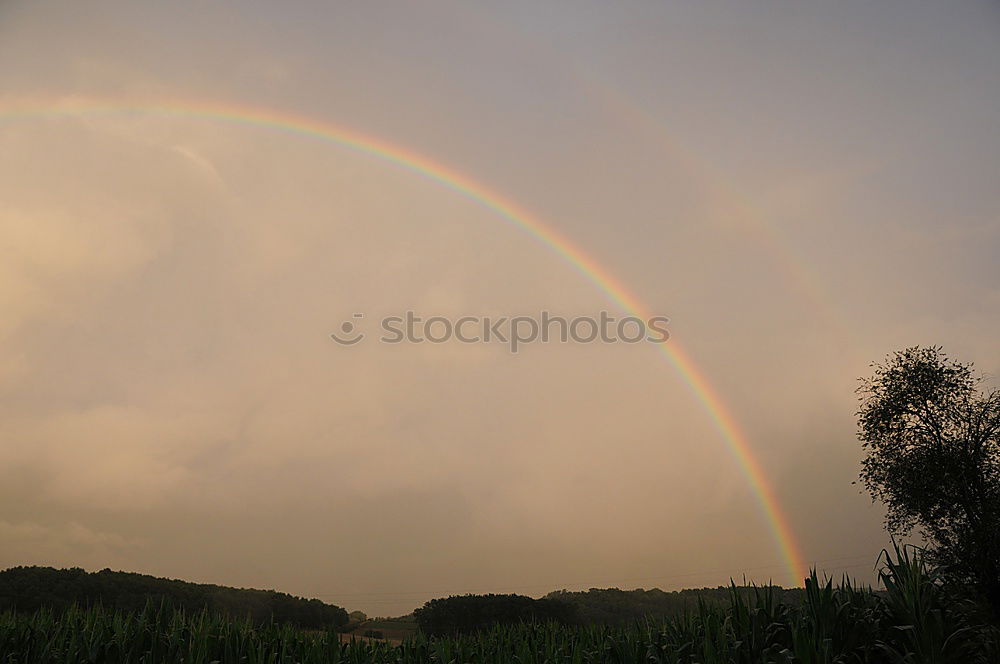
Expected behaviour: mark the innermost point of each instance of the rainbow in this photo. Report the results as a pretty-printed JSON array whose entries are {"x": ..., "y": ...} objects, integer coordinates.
[
  {"x": 502, "y": 207},
  {"x": 798, "y": 273}
]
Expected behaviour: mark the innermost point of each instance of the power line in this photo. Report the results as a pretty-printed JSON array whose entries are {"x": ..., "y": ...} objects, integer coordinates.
[
  {"x": 384, "y": 601},
  {"x": 398, "y": 595}
]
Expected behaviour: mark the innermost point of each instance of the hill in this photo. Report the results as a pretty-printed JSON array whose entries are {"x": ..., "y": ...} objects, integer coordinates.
[
  {"x": 466, "y": 614},
  {"x": 31, "y": 588}
]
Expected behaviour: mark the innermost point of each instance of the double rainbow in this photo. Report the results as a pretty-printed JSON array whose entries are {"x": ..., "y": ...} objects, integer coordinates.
[{"x": 502, "y": 207}]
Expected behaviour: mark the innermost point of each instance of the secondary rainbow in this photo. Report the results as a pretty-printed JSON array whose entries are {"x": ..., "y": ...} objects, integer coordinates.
[{"x": 503, "y": 208}]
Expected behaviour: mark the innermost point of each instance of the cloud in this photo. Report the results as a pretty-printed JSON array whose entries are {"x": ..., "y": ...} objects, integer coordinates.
[
  {"x": 40, "y": 544},
  {"x": 171, "y": 400}
]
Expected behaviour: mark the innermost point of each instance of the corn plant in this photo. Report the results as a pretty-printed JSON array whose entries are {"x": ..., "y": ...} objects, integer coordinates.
[{"x": 913, "y": 621}]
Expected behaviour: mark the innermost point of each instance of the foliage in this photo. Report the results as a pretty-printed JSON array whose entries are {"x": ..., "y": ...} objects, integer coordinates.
[
  {"x": 933, "y": 458},
  {"x": 468, "y": 613},
  {"x": 912, "y": 621},
  {"x": 32, "y": 588},
  {"x": 612, "y": 606}
]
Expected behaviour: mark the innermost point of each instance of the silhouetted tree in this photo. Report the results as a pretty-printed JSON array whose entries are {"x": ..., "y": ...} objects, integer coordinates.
[
  {"x": 31, "y": 588},
  {"x": 464, "y": 614},
  {"x": 933, "y": 459},
  {"x": 613, "y": 606}
]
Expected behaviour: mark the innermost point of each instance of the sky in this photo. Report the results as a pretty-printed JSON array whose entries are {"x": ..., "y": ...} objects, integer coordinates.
[{"x": 801, "y": 188}]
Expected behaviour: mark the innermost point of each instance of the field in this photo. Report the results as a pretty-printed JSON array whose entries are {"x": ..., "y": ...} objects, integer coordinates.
[
  {"x": 910, "y": 621},
  {"x": 393, "y": 630}
]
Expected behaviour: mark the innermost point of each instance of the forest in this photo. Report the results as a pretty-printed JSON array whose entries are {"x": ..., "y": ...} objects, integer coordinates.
[{"x": 27, "y": 589}]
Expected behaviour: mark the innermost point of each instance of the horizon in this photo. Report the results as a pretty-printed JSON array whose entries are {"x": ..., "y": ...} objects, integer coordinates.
[{"x": 431, "y": 596}]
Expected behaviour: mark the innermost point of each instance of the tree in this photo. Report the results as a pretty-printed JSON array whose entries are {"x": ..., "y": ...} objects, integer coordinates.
[
  {"x": 932, "y": 438},
  {"x": 466, "y": 614},
  {"x": 30, "y": 588}
]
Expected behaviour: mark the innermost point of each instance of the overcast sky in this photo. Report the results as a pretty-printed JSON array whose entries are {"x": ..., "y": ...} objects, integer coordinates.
[{"x": 800, "y": 187}]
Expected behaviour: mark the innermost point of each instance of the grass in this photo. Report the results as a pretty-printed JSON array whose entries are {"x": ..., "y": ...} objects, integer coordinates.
[{"x": 913, "y": 620}]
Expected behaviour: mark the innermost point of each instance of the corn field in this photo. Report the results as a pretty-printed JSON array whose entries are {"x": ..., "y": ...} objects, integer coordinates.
[{"x": 911, "y": 621}]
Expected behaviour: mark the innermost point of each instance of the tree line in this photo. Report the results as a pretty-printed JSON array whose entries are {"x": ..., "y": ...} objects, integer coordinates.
[
  {"x": 27, "y": 589},
  {"x": 466, "y": 614},
  {"x": 613, "y": 606}
]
